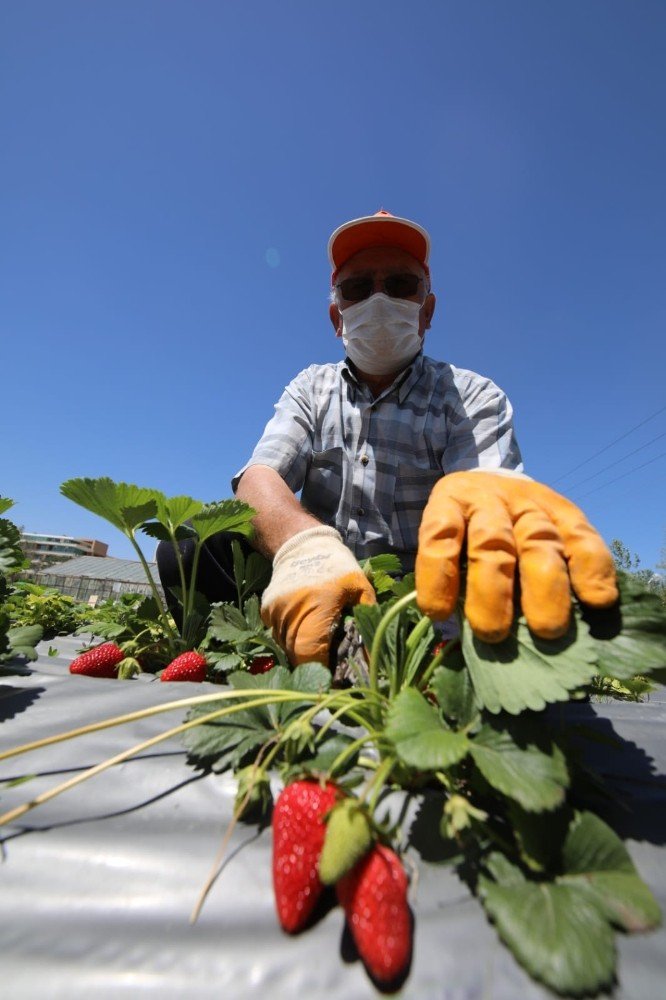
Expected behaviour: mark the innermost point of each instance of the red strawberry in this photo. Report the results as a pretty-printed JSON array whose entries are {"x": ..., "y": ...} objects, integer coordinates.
[
  {"x": 261, "y": 664},
  {"x": 186, "y": 667},
  {"x": 374, "y": 897},
  {"x": 298, "y": 837},
  {"x": 102, "y": 661}
]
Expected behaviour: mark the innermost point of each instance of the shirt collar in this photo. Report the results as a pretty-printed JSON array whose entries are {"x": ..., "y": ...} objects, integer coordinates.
[{"x": 403, "y": 383}]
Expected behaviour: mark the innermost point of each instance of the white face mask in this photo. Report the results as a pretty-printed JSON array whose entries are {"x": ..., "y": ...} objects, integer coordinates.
[{"x": 381, "y": 334}]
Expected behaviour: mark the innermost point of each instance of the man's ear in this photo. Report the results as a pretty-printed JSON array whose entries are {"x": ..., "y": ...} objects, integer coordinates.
[
  {"x": 428, "y": 311},
  {"x": 336, "y": 318}
]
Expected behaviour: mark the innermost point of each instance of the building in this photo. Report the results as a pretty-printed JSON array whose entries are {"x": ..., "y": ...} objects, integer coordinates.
[
  {"x": 92, "y": 580},
  {"x": 47, "y": 550}
]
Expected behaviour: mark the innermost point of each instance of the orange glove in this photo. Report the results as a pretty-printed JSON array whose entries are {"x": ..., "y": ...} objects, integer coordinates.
[
  {"x": 509, "y": 517},
  {"x": 315, "y": 577}
]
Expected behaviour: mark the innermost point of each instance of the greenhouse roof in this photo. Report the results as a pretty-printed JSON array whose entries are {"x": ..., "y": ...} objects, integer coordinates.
[{"x": 104, "y": 568}]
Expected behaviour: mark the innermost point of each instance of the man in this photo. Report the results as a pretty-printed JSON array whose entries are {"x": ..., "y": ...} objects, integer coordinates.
[{"x": 395, "y": 452}]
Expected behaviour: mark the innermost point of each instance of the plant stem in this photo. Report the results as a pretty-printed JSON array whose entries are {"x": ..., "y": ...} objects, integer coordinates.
[
  {"x": 419, "y": 631},
  {"x": 181, "y": 572},
  {"x": 188, "y": 597},
  {"x": 145, "y": 713},
  {"x": 384, "y": 623},
  {"x": 221, "y": 851},
  {"x": 52, "y": 793},
  {"x": 171, "y": 637},
  {"x": 377, "y": 782},
  {"x": 340, "y": 712},
  {"x": 350, "y": 750}
]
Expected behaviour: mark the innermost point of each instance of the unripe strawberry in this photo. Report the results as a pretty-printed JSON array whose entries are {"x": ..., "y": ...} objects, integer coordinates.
[{"x": 348, "y": 838}]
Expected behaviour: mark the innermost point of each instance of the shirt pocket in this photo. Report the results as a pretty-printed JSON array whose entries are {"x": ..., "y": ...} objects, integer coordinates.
[
  {"x": 322, "y": 490},
  {"x": 413, "y": 484}
]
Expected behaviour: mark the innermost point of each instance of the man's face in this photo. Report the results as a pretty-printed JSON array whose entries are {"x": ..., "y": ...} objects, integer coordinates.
[{"x": 379, "y": 263}]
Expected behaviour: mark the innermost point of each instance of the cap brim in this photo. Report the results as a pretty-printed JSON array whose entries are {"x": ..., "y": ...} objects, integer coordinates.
[{"x": 377, "y": 231}]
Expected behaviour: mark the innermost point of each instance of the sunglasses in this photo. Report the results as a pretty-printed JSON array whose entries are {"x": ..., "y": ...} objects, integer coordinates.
[{"x": 397, "y": 286}]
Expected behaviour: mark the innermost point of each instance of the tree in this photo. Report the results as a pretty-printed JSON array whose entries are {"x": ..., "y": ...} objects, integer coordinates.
[{"x": 628, "y": 563}]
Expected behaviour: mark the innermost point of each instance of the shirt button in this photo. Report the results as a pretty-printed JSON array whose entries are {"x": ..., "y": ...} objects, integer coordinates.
[
  {"x": 364, "y": 459},
  {"x": 360, "y": 511}
]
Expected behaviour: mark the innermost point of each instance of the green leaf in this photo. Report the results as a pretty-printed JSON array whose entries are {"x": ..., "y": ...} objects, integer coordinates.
[
  {"x": 382, "y": 570},
  {"x": 419, "y": 736},
  {"x": 539, "y": 836},
  {"x": 228, "y": 624},
  {"x": 173, "y": 512},
  {"x": 312, "y": 678},
  {"x": 524, "y": 672},
  {"x": 537, "y": 780},
  {"x": 11, "y": 555},
  {"x": 367, "y": 618},
  {"x": 21, "y": 642},
  {"x": 257, "y": 573},
  {"x": 224, "y": 515},
  {"x": 327, "y": 753},
  {"x": 555, "y": 931},
  {"x": 631, "y": 639},
  {"x": 561, "y": 930},
  {"x": 227, "y": 741},
  {"x": 385, "y": 562},
  {"x": 159, "y": 531},
  {"x": 252, "y": 613},
  {"x": 5, "y": 504},
  {"x": 224, "y": 662},
  {"x": 122, "y": 504},
  {"x": 453, "y": 688},
  {"x": 598, "y": 863},
  {"x": 239, "y": 565}
]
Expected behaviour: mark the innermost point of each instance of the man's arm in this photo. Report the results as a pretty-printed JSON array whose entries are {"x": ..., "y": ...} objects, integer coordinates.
[
  {"x": 315, "y": 576},
  {"x": 279, "y": 516}
]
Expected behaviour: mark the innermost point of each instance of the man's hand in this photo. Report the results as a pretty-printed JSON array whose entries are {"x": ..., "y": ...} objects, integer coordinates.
[
  {"x": 314, "y": 578},
  {"x": 508, "y": 518}
]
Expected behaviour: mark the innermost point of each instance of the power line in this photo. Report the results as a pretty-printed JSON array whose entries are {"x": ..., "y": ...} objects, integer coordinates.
[
  {"x": 617, "y": 462},
  {"x": 602, "y": 450},
  {"x": 623, "y": 476}
]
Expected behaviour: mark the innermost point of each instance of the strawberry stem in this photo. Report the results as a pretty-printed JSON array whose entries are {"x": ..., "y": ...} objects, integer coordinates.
[
  {"x": 377, "y": 782},
  {"x": 19, "y": 811},
  {"x": 171, "y": 636},
  {"x": 384, "y": 623}
]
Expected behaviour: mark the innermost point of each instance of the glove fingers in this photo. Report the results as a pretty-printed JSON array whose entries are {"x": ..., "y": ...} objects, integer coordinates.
[
  {"x": 355, "y": 588},
  {"x": 491, "y": 563},
  {"x": 301, "y": 626},
  {"x": 544, "y": 581},
  {"x": 437, "y": 570},
  {"x": 304, "y": 622},
  {"x": 591, "y": 565}
]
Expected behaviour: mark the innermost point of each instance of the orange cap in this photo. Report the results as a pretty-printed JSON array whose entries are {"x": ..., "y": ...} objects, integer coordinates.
[{"x": 379, "y": 230}]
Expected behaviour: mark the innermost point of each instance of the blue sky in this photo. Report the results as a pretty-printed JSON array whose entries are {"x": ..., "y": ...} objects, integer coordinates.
[{"x": 171, "y": 170}]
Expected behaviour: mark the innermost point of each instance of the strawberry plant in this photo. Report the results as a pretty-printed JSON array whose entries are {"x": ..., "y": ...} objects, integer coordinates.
[
  {"x": 133, "y": 509},
  {"x": 134, "y": 622},
  {"x": 56, "y": 613},
  {"x": 16, "y": 639},
  {"x": 467, "y": 725}
]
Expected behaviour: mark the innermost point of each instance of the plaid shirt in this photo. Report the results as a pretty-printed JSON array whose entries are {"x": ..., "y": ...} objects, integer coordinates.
[{"x": 366, "y": 466}]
